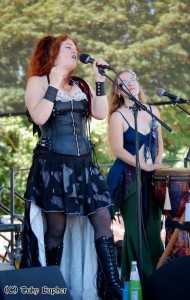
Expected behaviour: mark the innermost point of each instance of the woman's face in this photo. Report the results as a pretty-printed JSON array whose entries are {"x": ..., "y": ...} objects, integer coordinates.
[
  {"x": 67, "y": 56},
  {"x": 131, "y": 82}
]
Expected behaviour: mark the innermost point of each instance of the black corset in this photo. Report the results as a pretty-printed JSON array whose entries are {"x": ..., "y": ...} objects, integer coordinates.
[{"x": 66, "y": 128}]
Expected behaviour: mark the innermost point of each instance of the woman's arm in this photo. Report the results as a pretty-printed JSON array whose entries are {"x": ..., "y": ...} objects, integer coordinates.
[
  {"x": 99, "y": 104},
  {"x": 116, "y": 140},
  {"x": 159, "y": 155},
  {"x": 38, "y": 106}
]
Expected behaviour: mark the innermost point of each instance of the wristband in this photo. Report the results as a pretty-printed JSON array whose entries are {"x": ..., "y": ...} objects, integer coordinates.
[
  {"x": 100, "y": 89},
  {"x": 51, "y": 94}
]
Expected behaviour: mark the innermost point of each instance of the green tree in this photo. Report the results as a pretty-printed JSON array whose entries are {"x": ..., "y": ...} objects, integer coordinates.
[
  {"x": 150, "y": 37},
  {"x": 16, "y": 144}
]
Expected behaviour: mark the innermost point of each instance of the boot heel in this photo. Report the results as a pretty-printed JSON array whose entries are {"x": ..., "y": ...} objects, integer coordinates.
[{"x": 110, "y": 296}]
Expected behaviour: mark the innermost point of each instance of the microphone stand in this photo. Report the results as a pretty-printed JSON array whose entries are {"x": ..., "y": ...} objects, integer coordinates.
[
  {"x": 187, "y": 158},
  {"x": 169, "y": 102},
  {"x": 135, "y": 108},
  {"x": 176, "y": 104}
]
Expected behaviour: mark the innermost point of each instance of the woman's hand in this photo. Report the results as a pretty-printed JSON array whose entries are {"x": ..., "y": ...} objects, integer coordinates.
[
  {"x": 55, "y": 77},
  {"x": 99, "y": 62},
  {"x": 152, "y": 167}
]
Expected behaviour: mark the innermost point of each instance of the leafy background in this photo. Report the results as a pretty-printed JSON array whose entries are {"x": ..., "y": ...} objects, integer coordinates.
[{"x": 150, "y": 37}]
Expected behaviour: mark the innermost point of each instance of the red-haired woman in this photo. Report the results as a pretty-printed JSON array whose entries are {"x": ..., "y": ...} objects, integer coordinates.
[{"x": 63, "y": 180}]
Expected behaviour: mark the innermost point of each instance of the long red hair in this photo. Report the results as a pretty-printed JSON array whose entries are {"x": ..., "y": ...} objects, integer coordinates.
[{"x": 45, "y": 53}]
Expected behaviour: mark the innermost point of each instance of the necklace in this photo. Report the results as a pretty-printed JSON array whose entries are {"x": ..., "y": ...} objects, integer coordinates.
[{"x": 129, "y": 107}]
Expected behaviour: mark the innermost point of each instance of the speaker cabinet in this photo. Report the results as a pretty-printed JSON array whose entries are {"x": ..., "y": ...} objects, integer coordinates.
[
  {"x": 169, "y": 282},
  {"x": 33, "y": 283}
]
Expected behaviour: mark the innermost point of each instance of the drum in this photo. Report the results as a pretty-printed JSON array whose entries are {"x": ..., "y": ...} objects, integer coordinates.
[
  {"x": 171, "y": 188},
  {"x": 181, "y": 246}
]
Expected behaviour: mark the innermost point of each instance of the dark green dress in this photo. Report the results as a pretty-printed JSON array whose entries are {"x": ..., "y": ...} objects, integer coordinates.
[{"x": 121, "y": 181}]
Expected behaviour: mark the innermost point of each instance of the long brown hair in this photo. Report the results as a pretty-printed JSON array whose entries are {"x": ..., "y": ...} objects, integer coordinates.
[
  {"x": 45, "y": 53},
  {"x": 116, "y": 101}
]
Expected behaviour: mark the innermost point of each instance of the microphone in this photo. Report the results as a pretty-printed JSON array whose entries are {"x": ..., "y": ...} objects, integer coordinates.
[
  {"x": 161, "y": 92},
  {"x": 87, "y": 59}
]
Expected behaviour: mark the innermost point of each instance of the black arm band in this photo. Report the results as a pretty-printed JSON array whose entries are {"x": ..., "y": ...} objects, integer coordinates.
[
  {"x": 51, "y": 94},
  {"x": 100, "y": 89}
]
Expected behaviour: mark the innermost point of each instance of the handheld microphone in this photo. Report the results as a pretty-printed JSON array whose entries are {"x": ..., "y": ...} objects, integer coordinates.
[
  {"x": 87, "y": 59},
  {"x": 161, "y": 92}
]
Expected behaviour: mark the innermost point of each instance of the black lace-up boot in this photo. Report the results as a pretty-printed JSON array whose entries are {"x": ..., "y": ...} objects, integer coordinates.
[
  {"x": 53, "y": 255},
  {"x": 107, "y": 256}
]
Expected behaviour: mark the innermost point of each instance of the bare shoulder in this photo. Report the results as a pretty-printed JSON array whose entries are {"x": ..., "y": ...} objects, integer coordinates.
[
  {"x": 35, "y": 89},
  {"x": 116, "y": 118},
  {"x": 116, "y": 115},
  {"x": 155, "y": 111},
  {"x": 37, "y": 81}
]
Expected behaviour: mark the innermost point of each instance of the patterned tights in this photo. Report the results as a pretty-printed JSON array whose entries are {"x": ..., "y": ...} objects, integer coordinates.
[{"x": 56, "y": 224}]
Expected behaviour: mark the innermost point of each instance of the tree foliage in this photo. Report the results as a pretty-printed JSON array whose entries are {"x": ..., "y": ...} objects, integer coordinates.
[{"x": 151, "y": 37}]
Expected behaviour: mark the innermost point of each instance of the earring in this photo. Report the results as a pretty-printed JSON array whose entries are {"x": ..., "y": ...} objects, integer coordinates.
[{"x": 119, "y": 96}]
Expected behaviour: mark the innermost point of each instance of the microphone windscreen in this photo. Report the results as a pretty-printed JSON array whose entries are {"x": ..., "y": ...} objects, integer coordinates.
[
  {"x": 160, "y": 92},
  {"x": 84, "y": 58}
]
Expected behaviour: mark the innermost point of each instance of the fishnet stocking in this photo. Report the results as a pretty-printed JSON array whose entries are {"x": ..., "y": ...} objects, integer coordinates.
[
  {"x": 101, "y": 221},
  {"x": 56, "y": 223}
]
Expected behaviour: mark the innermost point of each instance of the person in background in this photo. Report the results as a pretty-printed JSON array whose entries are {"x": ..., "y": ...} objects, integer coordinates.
[
  {"x": 121, "y": 177},
  {"x": 63, "y": 179}
]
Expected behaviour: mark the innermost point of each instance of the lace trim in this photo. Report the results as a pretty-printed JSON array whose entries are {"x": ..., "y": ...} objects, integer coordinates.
[{"x": 61, "y": 96}]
